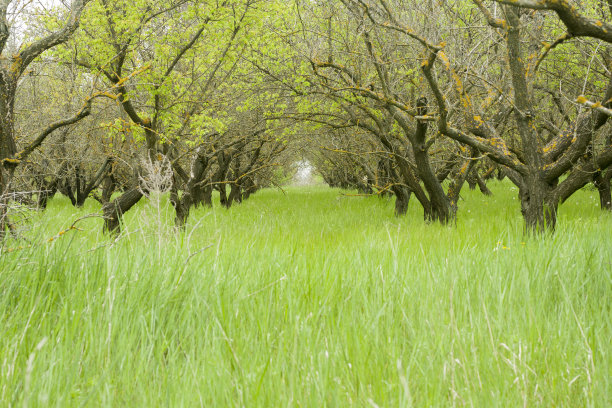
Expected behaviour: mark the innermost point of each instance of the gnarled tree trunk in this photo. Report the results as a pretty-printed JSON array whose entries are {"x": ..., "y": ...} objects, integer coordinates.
[
  {"x": 602, "y": 182},
  {"x": 114, "y": 210}
]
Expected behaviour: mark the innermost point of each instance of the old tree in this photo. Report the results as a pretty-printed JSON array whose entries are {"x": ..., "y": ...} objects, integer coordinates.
[
  {"x": 399, "y": 98},
  {"x": 13, "y": 65}
]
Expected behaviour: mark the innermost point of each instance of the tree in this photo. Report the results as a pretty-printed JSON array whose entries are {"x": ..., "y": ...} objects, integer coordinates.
[
  {"x": 372, "y": 83},
  {"x": 581, "y": 25},
  {"x": 535, "y": 164},
  {"x": 12, "y": 68},
  {"x": 188, "y": 52},
  {"x": 80, "y": 156}
]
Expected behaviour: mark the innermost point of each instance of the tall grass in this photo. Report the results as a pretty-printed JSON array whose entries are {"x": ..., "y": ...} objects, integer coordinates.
[{"x": 310, "y": 298}]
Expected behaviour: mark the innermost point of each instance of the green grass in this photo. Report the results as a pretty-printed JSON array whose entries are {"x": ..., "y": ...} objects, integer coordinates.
[{"x": 310, "y": 299}]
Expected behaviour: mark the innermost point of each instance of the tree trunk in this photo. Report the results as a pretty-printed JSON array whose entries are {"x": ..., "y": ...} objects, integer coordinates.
[
  {"x": 235, "y": 195},
  {"x": 440, "y": 204},
  {"x": 182, "y": 214},
  {"x": 248, "y": 188},
  {"x": 8, "y": 148},
  {"x": 182, "y": 206},
  {"x": 66, "y": 189},
  {"x": 471, "y": 182},
  {"x": 113, "y": 211},
  {"x": 410, "y": 180},
  {"x": 79, "y": 178},
  {"x": 224, "y": 161},
  {"x": 538, "y": 206},
  {"x": 83, "y": 189},
  {"x": 4, "y": 202},
  {"x": 45, "y": 193},
  {"x": 482, "y": 185},
  {"x": 199, "y": 185},
  {"x": 602, "y": 182},
  {"x": 402, "y": 198},
  {"x": 207, "y": 195},
  {"x": 194, "y": 194},
  {"x": 199, "y": 195},
  {"x": 108, "y": 188},
  {"x": 223, "y": 194},
  {"x": 454, "y": 190},
  {"x": 437, "y": 207},
  {"x": 382, "y": 177}
]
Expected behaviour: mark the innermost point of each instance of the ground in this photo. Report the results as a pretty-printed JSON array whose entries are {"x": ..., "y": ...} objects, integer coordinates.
[{"x": 310, "y": 298}]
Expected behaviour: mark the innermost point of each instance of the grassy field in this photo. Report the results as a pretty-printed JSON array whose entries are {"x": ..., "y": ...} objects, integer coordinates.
[{"x": 310, "y": 299}]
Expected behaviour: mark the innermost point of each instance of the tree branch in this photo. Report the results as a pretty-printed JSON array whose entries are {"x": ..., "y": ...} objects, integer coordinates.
[
  {"x": 4, "y": 29},
  {"x": 27, "y": 55},
  {"x": 22, "y": 155},
  {"x": 577, "y": 24}
]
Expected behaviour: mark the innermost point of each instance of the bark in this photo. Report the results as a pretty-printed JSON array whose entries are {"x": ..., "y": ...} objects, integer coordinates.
[
  {"x": 482, "y": 185},
  {"x": 402, "y": 198},
  {"x": 108, "y": 188},
  {"x": 602, "y": 182},
  {"x": 45, "y": 193},
  {"x": 114, "y": 210},
  {"x": 181, "y": 207},
  {"x": 582, "y": 175},
  {"x": 202, "y": 195},
  {"x": 66, "y": 189},
  {"x": 207, "y": 195},
  {"x": 402, "y": 193},
  {"x": 471, "y": 182},
  {"x": 539, "y": 208},
  {"x": 437, "y": 206},
  {"x": 440, "y": 203},
  {"x": 458, "y": 181},
  {"x": 249, "y": 188},
  {"x": 235, "y": 194},
  {"x": 223, "y": 194},
  {"x": 84, "y": 190},
  {"x": 8, "y": 148},
  {"x": 194, "y": 194},
  {"x": 224, "y": 161},
  {"x": 5, "y": 223},
  {"x": 407, "y": 175}
]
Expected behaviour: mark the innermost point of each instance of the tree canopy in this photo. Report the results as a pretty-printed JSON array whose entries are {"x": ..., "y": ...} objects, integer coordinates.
[{"x": 390, "y": 97}]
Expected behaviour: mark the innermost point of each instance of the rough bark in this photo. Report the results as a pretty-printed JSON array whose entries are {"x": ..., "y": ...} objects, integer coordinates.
[
  {"x": 454, "y": 190},
  {"x": 194, "y": 193},
  {"x": 108, "y": 188},
  {"x": 402, "y": 199},
  {"x": 482, "y": 185},
  {"x": 440, "y": 203},
  {"x": 46, "y": 191},
  {"x": 84, "y": 189},
  {"x": 114, "y": 210},
  {"x": 8, "y": 148},
  {"x": 602, "y": 183}
]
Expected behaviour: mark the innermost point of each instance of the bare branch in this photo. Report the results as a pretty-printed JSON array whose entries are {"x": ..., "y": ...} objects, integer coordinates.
[
  {"x": 493, "y": 22},
  {"x": 4, "y": 29},
  {"x": 29, "y": 54},
  {"x": 577, "y": 24},
  {"x": 598, "y": 106}
]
